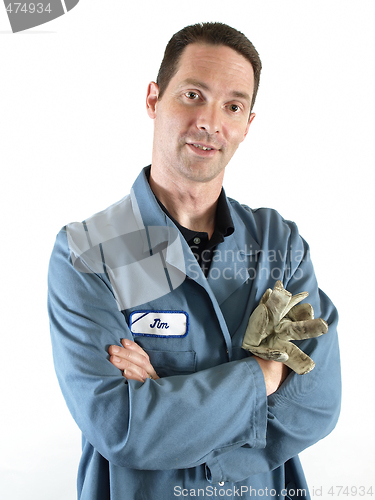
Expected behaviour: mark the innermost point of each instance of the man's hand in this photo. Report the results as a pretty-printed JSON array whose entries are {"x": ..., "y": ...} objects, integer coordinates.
[
  {"x": 135, "y": 364},
  {"x": 132, "y": 360},
  {"x": 274, "y": 373}
]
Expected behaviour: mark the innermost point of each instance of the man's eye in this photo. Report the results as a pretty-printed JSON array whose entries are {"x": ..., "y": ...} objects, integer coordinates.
[
  {"x": 235, "y": 108},
  {"x": 191, "y": 95}
]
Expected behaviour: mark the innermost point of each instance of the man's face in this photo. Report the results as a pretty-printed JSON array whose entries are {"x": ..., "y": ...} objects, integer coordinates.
[{"x": 204, "y": 113}]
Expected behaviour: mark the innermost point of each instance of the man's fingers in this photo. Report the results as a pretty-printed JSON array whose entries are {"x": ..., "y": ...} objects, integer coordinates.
[
  {"x": 133, "y": 371},
  {"x": 131, "y": 374},
  {"x": 132, "y": 361},
  {"x": 133, "y": 346}
]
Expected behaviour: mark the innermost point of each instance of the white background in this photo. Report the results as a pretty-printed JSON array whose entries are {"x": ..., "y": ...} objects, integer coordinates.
[{"x": 73, "y": 136}]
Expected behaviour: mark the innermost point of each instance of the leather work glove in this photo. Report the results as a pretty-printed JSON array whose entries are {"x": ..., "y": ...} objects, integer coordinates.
[{"x": 278, "y": 319}]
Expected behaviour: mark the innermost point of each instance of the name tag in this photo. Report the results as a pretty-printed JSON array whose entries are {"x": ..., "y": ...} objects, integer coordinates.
[{"x": 159, "y": 323}]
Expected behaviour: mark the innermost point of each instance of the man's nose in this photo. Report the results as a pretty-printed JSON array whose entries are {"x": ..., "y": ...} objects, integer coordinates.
[{"x": 209, "y": 119}]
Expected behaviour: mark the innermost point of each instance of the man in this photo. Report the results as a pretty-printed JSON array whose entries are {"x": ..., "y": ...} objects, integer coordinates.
[{"x": 184, "y": 410}]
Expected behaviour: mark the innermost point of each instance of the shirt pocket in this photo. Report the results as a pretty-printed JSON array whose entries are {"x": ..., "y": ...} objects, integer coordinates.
[{"x": 167, "y": 363}]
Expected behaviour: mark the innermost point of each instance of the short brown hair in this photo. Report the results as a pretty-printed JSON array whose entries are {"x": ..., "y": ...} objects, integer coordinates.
[{"x": 213, "y": 34}]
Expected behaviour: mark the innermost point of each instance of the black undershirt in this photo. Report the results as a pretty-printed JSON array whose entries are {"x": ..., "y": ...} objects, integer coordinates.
[{"x": 202, "y": 247}]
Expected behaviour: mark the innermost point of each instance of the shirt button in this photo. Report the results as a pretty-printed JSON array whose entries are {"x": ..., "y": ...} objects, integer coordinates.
[
  {"x": 197, "y": 241},
  {"x": 221, "y": 483}
]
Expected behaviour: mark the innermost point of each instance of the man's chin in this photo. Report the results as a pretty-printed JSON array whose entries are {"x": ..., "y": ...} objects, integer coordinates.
[{"x": 201, "y": 171}]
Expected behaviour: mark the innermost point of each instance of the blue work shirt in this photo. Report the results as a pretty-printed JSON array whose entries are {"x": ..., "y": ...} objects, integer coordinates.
[{"x": 206, "y": 427}]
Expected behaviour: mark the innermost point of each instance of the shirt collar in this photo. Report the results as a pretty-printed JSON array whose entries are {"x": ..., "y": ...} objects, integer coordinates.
[{"x": 223, "y": 222}]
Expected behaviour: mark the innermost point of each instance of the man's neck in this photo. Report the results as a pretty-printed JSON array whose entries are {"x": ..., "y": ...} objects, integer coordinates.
[{"x": 192, "y": 204}]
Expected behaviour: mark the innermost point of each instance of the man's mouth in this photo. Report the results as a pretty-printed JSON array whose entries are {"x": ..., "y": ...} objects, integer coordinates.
[{"x": 204, "y": 148}]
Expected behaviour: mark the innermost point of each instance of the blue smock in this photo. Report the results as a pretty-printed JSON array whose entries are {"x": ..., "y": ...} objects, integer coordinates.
[{"x": 206, "y": 427}]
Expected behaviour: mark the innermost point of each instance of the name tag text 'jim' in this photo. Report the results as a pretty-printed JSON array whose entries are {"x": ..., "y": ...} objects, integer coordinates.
[{"x": 159, "y": 323}]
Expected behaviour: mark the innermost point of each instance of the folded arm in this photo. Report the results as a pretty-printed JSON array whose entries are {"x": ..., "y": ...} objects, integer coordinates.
[
  {"x": 126, "y": 421},
  {"x": 135, "y": 364},
  {"x": 306, "y": 407}
]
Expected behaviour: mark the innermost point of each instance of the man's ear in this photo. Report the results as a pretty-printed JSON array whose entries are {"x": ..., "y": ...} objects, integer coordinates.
[
  {"x": 152, "y": 99},
  {"x": 252, "y": 116}
]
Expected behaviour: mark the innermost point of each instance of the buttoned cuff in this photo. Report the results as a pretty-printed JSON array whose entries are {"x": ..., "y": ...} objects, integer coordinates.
[{"x": 228, "y": 464}]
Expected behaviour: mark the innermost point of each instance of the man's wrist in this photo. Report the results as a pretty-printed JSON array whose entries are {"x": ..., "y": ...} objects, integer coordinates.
[{"x": 274, "y": 373}]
